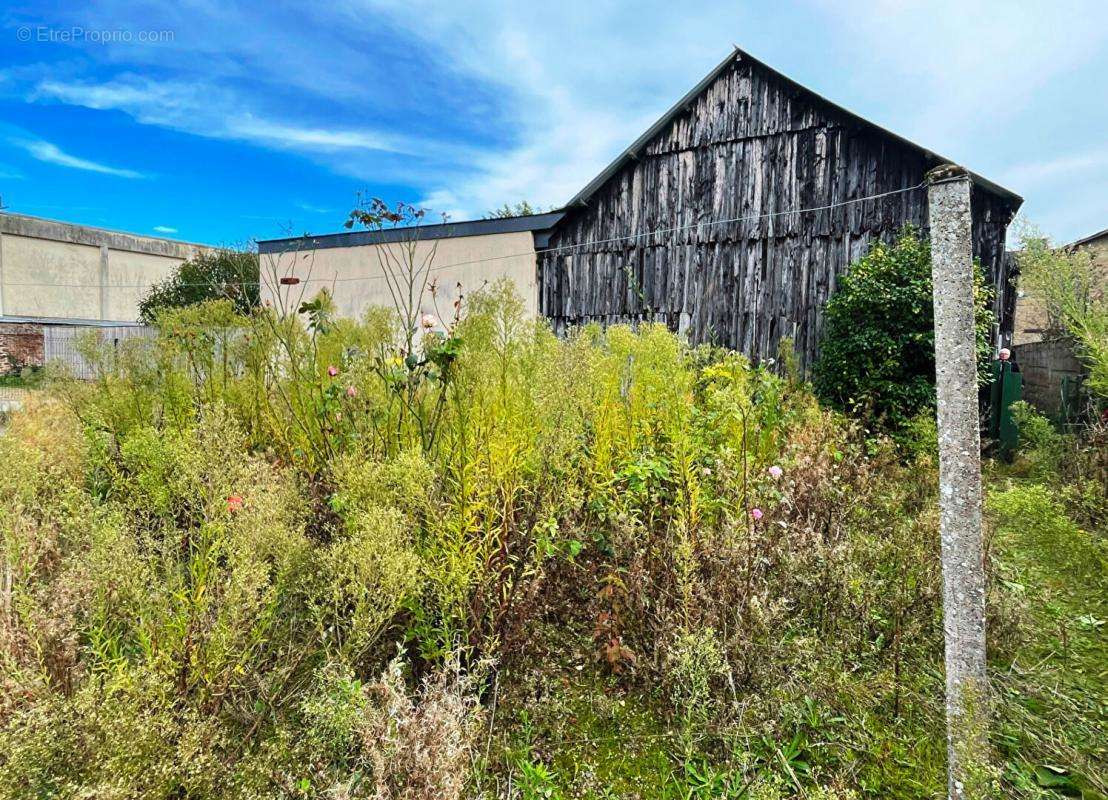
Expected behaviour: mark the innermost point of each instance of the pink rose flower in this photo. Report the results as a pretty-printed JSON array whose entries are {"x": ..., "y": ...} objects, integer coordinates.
[
  {"x": 776, "y": 472},
  {"x": 351, "y": 391},
  {"x": 756, "y": 513},
  {"x": 332, "y": 370},
  {"x": 428, "y": 321}
]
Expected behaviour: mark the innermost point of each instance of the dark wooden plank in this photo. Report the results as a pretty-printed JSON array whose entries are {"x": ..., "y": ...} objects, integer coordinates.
[{"x": 748, "y": 145}]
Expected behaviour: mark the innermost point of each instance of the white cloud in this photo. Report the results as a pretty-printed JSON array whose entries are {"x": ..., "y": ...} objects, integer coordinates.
[
  {"x": 1060, "y": 169},
  {"x": 199, "y": 108},
  {"x": 1065, "y": 193},
  {"x": 579, "y": 82},
  {"x": 955, "y": 75},
  {"x": 543, "y": 96},
  {"x": 314, "y": 209},
  {"x": 970, "y": 80},
  {"x": 164, "y": 229},
  {"x": 307, "y": 138},
  {"x": 536, "y": 99},
  {"x": 52, "y": 154}
]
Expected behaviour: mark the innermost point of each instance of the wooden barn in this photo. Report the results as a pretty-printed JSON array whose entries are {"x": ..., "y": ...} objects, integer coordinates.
[{"x": 692, "y": 225}]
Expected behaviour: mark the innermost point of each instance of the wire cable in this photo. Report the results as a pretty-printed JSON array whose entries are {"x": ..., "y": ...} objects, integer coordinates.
[{"x": 530, "y": 253}]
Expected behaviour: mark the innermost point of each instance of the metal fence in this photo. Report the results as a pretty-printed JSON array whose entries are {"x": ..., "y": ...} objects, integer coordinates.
[
  {"x": 11, "y": 399},
  {"x": 60, "y": 343},
  {"x": 61, "y": 347}
]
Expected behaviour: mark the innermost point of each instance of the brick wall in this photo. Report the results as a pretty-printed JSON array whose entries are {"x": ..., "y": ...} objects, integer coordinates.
[{"x": 21, "y": 345}]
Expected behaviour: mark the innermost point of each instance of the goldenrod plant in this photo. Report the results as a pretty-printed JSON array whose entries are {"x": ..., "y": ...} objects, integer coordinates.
[{"x": 237, "y": 563}]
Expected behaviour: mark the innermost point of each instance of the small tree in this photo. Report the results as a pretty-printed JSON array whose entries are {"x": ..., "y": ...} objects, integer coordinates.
[
  {"x": 1075, "y": 293},
  {"x": 520, "y": 209},
  {"x": 877, "y": 355},
  {"x": 230, "y": 274}
]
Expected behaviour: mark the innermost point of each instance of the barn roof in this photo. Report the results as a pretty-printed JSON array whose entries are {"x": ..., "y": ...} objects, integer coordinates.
[
  {"x": 636, "y": 147},
  {"x": 1090, "y": 238}
]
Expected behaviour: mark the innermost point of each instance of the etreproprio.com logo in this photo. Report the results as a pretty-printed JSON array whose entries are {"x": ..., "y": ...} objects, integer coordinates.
[{"x": 76, "y": 34}]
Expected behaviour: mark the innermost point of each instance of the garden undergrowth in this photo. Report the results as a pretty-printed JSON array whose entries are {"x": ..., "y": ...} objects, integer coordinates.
[{"x": 295, "y": 556}]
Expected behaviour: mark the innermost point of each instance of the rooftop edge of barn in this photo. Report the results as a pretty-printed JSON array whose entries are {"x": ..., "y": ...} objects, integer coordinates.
[{"x": 731, "y": 218}]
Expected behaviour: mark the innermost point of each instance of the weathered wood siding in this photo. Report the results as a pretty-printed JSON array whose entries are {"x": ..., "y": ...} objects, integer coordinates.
[{"x": 750, "y": 144}]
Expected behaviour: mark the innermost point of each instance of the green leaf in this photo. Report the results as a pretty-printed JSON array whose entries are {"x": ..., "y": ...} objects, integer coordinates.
[{"x": 1052, "y": 777}]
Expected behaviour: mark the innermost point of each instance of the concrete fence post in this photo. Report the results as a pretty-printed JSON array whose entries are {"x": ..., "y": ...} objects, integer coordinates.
[{"x": 959, "y": 481}]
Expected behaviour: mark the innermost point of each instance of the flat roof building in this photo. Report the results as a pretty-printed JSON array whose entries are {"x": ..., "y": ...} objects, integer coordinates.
[
  {"x": 458, "y": 254},
  {"x": 58, "y": 279},
  {"x": 59, "y": 271}
]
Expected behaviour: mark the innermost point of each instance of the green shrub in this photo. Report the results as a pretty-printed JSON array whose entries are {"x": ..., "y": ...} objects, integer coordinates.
[
  {"x": 694, "y": 664},
  {"x": 877, "y": 352},
  {"x": 220, "y": 274},
  {"x": 1041, "y": 447},
  {"x": 373, "y": 571}
]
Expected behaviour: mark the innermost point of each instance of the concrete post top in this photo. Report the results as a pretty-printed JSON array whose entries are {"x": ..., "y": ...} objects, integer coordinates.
[{"x": 947, "y": 172}]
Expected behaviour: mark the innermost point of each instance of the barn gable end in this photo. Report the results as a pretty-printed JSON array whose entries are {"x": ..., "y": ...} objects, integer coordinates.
[{"x": 676, "y": 230}]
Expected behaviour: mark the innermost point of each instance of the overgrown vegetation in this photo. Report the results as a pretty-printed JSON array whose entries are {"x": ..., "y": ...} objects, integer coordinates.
[
  {"x": 520, "y": 209},
  {"x": 225, "y": 273},
  {"x": 877, "y": 355},
  {"x": 296, "y": 556},
  {"x": 26, "y": 378},
  {"x": 1051, "y": 519},
  {"x": 1075, "y": 295}
]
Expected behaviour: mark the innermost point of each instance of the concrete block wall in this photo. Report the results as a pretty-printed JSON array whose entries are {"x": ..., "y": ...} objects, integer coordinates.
[
  {"x": 356, "y": 275},
  {"x": 1044, "y": 365},
  {"x": 65, "y": 271}
]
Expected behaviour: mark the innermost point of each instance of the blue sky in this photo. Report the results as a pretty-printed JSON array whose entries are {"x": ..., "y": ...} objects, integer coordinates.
[{"x": 217, "y": 122}]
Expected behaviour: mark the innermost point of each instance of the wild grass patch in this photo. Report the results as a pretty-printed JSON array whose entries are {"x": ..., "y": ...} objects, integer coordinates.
[{"x": 287, "y": 555}]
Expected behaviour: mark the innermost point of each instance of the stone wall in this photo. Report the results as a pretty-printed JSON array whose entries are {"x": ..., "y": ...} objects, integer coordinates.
[
  {"x": 1044, "y": 365},
  {"x": 1031, "y": 321}
]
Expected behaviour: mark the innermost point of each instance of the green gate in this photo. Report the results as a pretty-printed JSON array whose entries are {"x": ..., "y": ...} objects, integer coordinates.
[{"x": 1006, "y": 388}]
